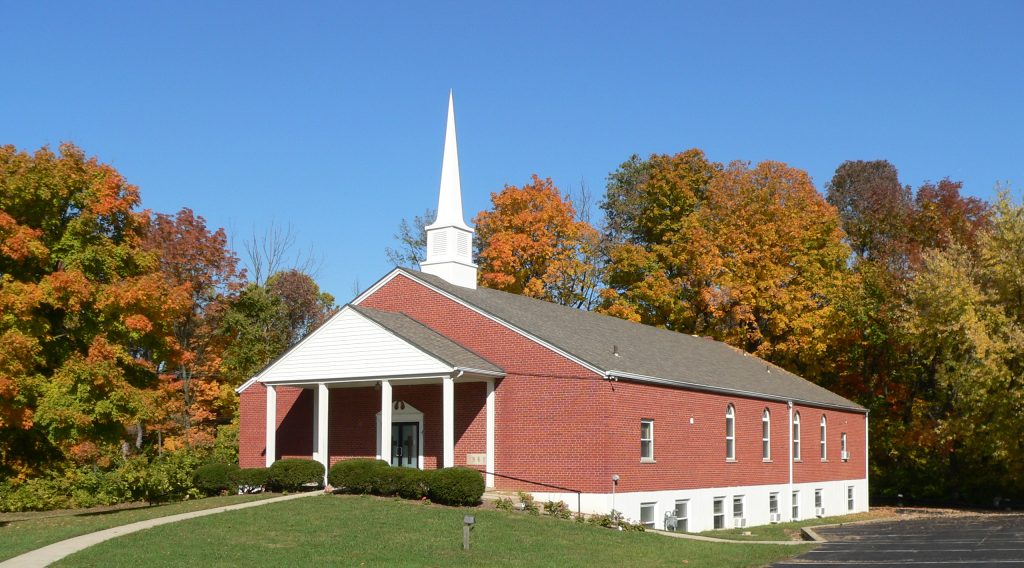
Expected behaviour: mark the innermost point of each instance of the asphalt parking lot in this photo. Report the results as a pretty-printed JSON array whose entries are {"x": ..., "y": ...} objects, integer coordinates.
[{"x": 975, "y": 541}]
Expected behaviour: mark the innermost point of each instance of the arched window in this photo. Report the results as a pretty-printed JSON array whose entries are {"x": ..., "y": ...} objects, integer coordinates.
[
  {"x": 824, "y": 454},
  {"x": 766, "y": 435},
  {"x": 796, "y": 436},
  {"x": 730, "y": 433}
]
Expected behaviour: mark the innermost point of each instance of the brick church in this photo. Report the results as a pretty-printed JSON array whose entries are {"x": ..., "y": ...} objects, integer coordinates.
[{"x": 426, "y": 370}]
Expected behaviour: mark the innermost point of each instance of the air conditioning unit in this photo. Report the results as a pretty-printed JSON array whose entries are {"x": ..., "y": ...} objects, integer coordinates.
[
  {"x": 739, "y": 523},
  {"x": 819, "y": 511},
  {"x": 775, "y": 517},
  {"x": 845, "y": 455}
]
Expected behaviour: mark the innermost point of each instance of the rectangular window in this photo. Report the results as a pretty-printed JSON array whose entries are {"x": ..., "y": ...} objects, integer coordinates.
[
  {"x": 842, "y": 447},
  {"x": 647, "y": 515},
  {"x": 647, "y": 440},
  {"x": 719, "y": 512},
  {"x": 737, "y": 507},
  {"x": 773, "y": 503},
  {"x": 817, "y": 498},
  {"x": 796, "y": 506},
  {"x": 682, "y": 513},
  {"x": 849, "y": 497}
]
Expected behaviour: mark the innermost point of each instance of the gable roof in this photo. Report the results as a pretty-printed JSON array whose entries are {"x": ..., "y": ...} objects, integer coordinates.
[
  {"x": 429, "y": 341},
  {"x": 629, "y": 350}
]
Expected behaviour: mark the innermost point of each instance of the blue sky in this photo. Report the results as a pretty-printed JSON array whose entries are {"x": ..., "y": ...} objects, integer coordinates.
[{"x": 330, "y": 116}]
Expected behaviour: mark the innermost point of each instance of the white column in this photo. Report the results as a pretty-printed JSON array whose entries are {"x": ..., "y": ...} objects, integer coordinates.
[
  {"x": 271, "y": 424},
  {"x": 489, "y": 477},
  {"x": 385, "y": 421},
  {"x": 448, "y": 420},
  {"x": 321, "y": 397}
]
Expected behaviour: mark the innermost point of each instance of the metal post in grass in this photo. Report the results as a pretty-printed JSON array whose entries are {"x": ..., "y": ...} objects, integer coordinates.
[{"x": 468, "y": 522}]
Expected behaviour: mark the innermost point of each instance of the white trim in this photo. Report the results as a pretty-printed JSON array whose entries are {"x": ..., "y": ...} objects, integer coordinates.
[
  {"x": 315, "y": 332},
  {"x": 391, "y": 275},
  {"x": 271, "y": 425},
  {"x": 489, "y": 477},
  {"x": 789, "y": 453},
  {"x": 245, "y": 385}
]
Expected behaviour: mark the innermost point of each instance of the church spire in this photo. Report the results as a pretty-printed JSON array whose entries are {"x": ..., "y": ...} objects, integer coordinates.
[
  {"x": 449, "y": 202},
  {"x": 449, "y": 238}
]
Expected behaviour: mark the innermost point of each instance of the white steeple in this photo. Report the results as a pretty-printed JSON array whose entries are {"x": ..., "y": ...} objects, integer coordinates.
[{"x": 449, "y": 238}]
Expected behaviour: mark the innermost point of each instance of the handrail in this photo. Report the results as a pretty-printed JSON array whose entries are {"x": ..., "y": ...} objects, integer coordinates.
[{"x": 576, "y": 491}]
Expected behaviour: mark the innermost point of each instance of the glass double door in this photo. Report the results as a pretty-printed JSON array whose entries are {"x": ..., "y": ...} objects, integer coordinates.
[{"x": 405, "y": 444}]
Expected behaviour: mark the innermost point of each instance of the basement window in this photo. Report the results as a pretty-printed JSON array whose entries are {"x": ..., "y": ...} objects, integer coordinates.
[
  {"x": 719, "y": 512},
  {"x": 647, "y": 515},
  {"x": 682, "y": 513},
  {"x": 849, "y": 497},
  {"x": 796, "y": 506}
]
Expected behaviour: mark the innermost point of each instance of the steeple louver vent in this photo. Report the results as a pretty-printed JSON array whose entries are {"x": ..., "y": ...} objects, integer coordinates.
[{"x": 449, "y": 238}]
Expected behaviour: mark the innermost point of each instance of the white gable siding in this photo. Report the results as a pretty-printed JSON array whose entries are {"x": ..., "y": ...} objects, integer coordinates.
[{"x": 351, "y": 346}]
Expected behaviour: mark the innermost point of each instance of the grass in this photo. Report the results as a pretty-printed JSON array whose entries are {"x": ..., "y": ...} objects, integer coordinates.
[
  {"x": 369, "y": 531},
  {"x": 17, "y": 537},
  {"x": 786, "y": 531}
]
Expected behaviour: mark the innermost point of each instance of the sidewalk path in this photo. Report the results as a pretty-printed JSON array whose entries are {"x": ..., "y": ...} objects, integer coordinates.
[{"x": 51, "y": 553}]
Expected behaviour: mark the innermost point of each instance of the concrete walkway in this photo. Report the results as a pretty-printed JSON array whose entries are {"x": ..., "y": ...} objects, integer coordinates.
[
  {"x": 702, "y": 538},
  {"x": 51, "y": 553}
]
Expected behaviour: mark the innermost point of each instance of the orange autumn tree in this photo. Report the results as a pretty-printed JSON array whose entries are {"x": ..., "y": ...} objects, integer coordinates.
[
  {"x": 532, "y": 243},
  {"x": 81, "y": 308},
  {"x": 198, "y": 264}
]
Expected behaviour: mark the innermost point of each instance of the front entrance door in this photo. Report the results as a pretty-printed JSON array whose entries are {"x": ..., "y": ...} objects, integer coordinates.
[{"x": 405, "y": 446}]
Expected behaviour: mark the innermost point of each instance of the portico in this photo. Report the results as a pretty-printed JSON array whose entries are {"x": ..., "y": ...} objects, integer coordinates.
[{"x": 394, "y": 411}]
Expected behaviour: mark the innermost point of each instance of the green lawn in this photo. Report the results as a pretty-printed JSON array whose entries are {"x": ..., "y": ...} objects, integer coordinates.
[
  {"x": 17, "y": 537},
  {"x": 785, "y": 531},
  {"x": 369, "y": 531}
]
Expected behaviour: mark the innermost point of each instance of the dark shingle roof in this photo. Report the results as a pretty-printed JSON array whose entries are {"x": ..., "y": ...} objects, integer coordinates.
[
  {"x": 428, "y": 340},
  {"x": 641, "y": 349}
]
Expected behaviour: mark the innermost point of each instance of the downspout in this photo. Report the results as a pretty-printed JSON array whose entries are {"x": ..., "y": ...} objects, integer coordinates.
[
  {"x": 789, "y": 452},
  {"x": 867, "y": 498}
]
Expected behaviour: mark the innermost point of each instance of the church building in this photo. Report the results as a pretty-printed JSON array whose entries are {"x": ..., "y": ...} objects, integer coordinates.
[{"x": 426, "y": 370}]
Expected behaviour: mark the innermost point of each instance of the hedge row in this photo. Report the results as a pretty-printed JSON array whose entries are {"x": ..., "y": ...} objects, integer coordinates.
[
  {"x": 283, "y": 475},
  {"x": 448, "y": 486}
]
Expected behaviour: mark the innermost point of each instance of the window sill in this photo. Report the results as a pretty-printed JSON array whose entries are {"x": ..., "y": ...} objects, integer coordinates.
[
  {"x": 766, "y": 460},
  {"x": 824, "y": 460},
  {"x": 647, "y": 460},
  {"x": 730, "y": 460},
  {"x": 798, "y": 460}
]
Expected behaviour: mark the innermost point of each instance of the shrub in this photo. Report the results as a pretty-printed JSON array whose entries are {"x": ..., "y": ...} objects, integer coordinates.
[
  {"x": 557, "y": 509},
  {"x": 295, "y": 473},
  {"x": 251, "y": 480},
  {"x": 216, "y": 478},
  {"x": 412, "y": 483},
  {"x": 456, "y": 486},
  {"x": 529, "y": 505},
  {"x": 615, "y": 520},
  {"x": 504, "y": 504},
  {"x": 356, "y": 475}
]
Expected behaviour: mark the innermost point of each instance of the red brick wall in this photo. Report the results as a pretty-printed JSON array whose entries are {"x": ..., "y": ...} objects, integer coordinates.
[{"x": 810, "y": 467}]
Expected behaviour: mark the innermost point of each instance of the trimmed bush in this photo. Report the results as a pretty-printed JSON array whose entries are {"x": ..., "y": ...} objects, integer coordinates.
[
  {"x": 412, "y": 483},
  {"x": 456, "y": 486},
  {"x": 252, "y": 480},
  {"x": 358, "y": 475},
  {"x": 216, "y": 478},
  {"x": 295, "y": 473}
]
